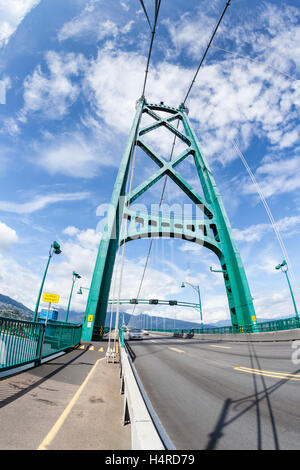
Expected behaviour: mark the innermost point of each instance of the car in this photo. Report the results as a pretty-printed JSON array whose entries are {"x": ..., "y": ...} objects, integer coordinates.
[
  {"x": 145, "y": 332},
  {"x": 133, "y": 333}
]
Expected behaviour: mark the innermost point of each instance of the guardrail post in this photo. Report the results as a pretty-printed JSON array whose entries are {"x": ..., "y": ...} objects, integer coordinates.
[{"x": 40, "y": 343}]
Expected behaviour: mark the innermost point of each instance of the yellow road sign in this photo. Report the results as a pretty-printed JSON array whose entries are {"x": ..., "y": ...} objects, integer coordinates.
[
  {"x": 53, "y": 298},
  {"x": 90, "y": 317}
]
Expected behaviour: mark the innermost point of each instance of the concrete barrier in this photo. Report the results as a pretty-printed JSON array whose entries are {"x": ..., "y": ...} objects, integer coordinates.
[
  {"x": 144, "y": 435},
  {"x": 284, "y": 335}
]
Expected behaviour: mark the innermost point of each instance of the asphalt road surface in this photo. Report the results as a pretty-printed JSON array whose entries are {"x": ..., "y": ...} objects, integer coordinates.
[{"x": 222, "y": 395}]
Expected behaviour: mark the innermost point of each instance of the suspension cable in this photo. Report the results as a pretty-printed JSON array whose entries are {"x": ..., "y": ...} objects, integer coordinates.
[
  {"x": 268, "y": 210},
  {"x": 205, "y": 53},
  {"x": 146, "y": 14},
  {"x": 151, "y": 241},
  {"x": 157, "y": 7},
  {"x": 257, "y": 62},
  {"x": 116, "y": 268}
]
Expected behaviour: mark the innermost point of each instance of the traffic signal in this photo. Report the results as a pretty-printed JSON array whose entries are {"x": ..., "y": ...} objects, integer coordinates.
[
  {"x": 172, "y": 302},
  {"x": 153, "y": 301},
  {"x": 134, "y": 301},
  {"x": 56, "y": 248}
]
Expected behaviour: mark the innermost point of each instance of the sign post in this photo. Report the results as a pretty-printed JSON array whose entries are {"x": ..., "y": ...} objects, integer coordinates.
[{"x": 50, "y": 298}]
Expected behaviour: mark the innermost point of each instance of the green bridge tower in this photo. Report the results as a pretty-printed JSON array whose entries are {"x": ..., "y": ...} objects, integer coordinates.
[{"x": 213, "y": 231}]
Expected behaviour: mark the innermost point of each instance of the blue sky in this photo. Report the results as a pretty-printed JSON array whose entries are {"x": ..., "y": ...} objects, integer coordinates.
[{"x": 72, "y": 72}]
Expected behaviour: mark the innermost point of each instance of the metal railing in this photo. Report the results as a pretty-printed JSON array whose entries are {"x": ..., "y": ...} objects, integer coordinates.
[
  {"x": 23, "y": 342},
  {"x": 260, "y": 327}
]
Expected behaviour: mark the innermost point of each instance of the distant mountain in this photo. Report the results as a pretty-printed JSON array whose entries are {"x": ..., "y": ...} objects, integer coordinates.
[
  {"x": 73, "y": 317},
  {"x": 10, "y": 308}
]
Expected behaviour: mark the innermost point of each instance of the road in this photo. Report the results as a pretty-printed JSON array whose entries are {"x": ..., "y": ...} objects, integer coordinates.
[{"x": 221, "y": 395}]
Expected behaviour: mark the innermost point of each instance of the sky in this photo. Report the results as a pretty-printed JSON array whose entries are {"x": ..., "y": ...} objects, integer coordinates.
[{"x": 70, "y": 75}]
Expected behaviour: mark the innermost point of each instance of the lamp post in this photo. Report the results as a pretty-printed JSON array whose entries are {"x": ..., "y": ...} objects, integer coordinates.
[
  {"x": 80, "y": 290},
  {"x": 55, "y": 248},
  {"x": 75, "y": 276},
  {"x": 196, "y": 288},
  {"x": 284, "y": 268}
]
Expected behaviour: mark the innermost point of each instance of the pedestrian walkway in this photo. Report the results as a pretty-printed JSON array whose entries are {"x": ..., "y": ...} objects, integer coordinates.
[{"x": 72, "y": 402}]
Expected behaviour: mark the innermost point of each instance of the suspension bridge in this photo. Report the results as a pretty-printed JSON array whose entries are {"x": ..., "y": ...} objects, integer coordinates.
[{"x": 232, "y": 387}]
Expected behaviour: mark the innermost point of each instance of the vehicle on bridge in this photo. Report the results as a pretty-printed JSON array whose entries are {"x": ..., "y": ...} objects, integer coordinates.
[{"x": 133, "y": 333}]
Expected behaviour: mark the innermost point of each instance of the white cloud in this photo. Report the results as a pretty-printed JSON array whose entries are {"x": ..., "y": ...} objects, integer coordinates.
[
  {"x": 275, "y": 176},
  {"x": 231, "y": 99},
  {"x": 114, "y": 97},
  {"x": 274, "y": 36},
  {"x": 91, "y": 24},
  {"x": 189, "y": 27},
  {"x": 10, "y": 126},
  {"x": 73, "y": 157},
  {"x": 18, "y": 282},
  {"x": 86, "y": 24},
  {"x": 124, "y": 5},
  {"x": 75, "y": 154},
  {"x": 54, "y": 92},
  {"x": 71, "y": 231},
  {"x": 8, "y": 236},
  {"x": 40, "y": 202},
  {"x": 287, "y": 225},
  {"x": 12, "y": 13}
]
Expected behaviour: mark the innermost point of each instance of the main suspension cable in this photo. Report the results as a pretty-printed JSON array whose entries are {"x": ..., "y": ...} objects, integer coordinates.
[
  {"x": 157, "y": 7},
  {"x": 146, "y": 14},
  {"x": 205, "y": 53},
  {"x": 157, "y": 2}
]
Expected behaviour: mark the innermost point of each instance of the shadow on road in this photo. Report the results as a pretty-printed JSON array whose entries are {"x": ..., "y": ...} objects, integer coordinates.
[
  {"x": 22, "y": 388},
  {"x": 248, "y": 403}
]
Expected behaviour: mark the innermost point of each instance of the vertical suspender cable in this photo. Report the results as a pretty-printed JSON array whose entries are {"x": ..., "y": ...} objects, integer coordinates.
[
  {"x": 268, "y": 210},
  {"x": 123, "y": 256}
]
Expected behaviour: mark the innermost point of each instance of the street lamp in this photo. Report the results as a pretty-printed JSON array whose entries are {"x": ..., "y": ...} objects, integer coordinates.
[
  {"x": 75, "y": 276},
  {"x": 80, "y": 290},
  {"x": 284, "y": 268},
  {"x": 55, "y": 248},
  {"x": 217, "y": 270},
  {"x": 196, "y": 288}
]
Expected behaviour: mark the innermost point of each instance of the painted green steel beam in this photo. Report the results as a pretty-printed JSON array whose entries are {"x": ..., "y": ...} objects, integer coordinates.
[
  {"x": 160, "y": 302},
  {"x": 96, "y": 308},
  {"x": 238, "y": 292}
]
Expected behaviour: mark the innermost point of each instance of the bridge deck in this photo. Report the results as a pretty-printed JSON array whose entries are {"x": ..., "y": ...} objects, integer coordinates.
[
  {"x": 72, "y": 402},
  {"x": 220, "y": 394}
]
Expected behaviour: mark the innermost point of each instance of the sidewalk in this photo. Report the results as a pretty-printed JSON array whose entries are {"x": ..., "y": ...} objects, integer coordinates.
[{"x": 70, "y": 403}]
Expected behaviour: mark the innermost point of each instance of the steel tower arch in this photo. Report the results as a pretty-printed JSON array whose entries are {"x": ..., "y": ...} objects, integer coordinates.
[{"x": 214, "y": 231}]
